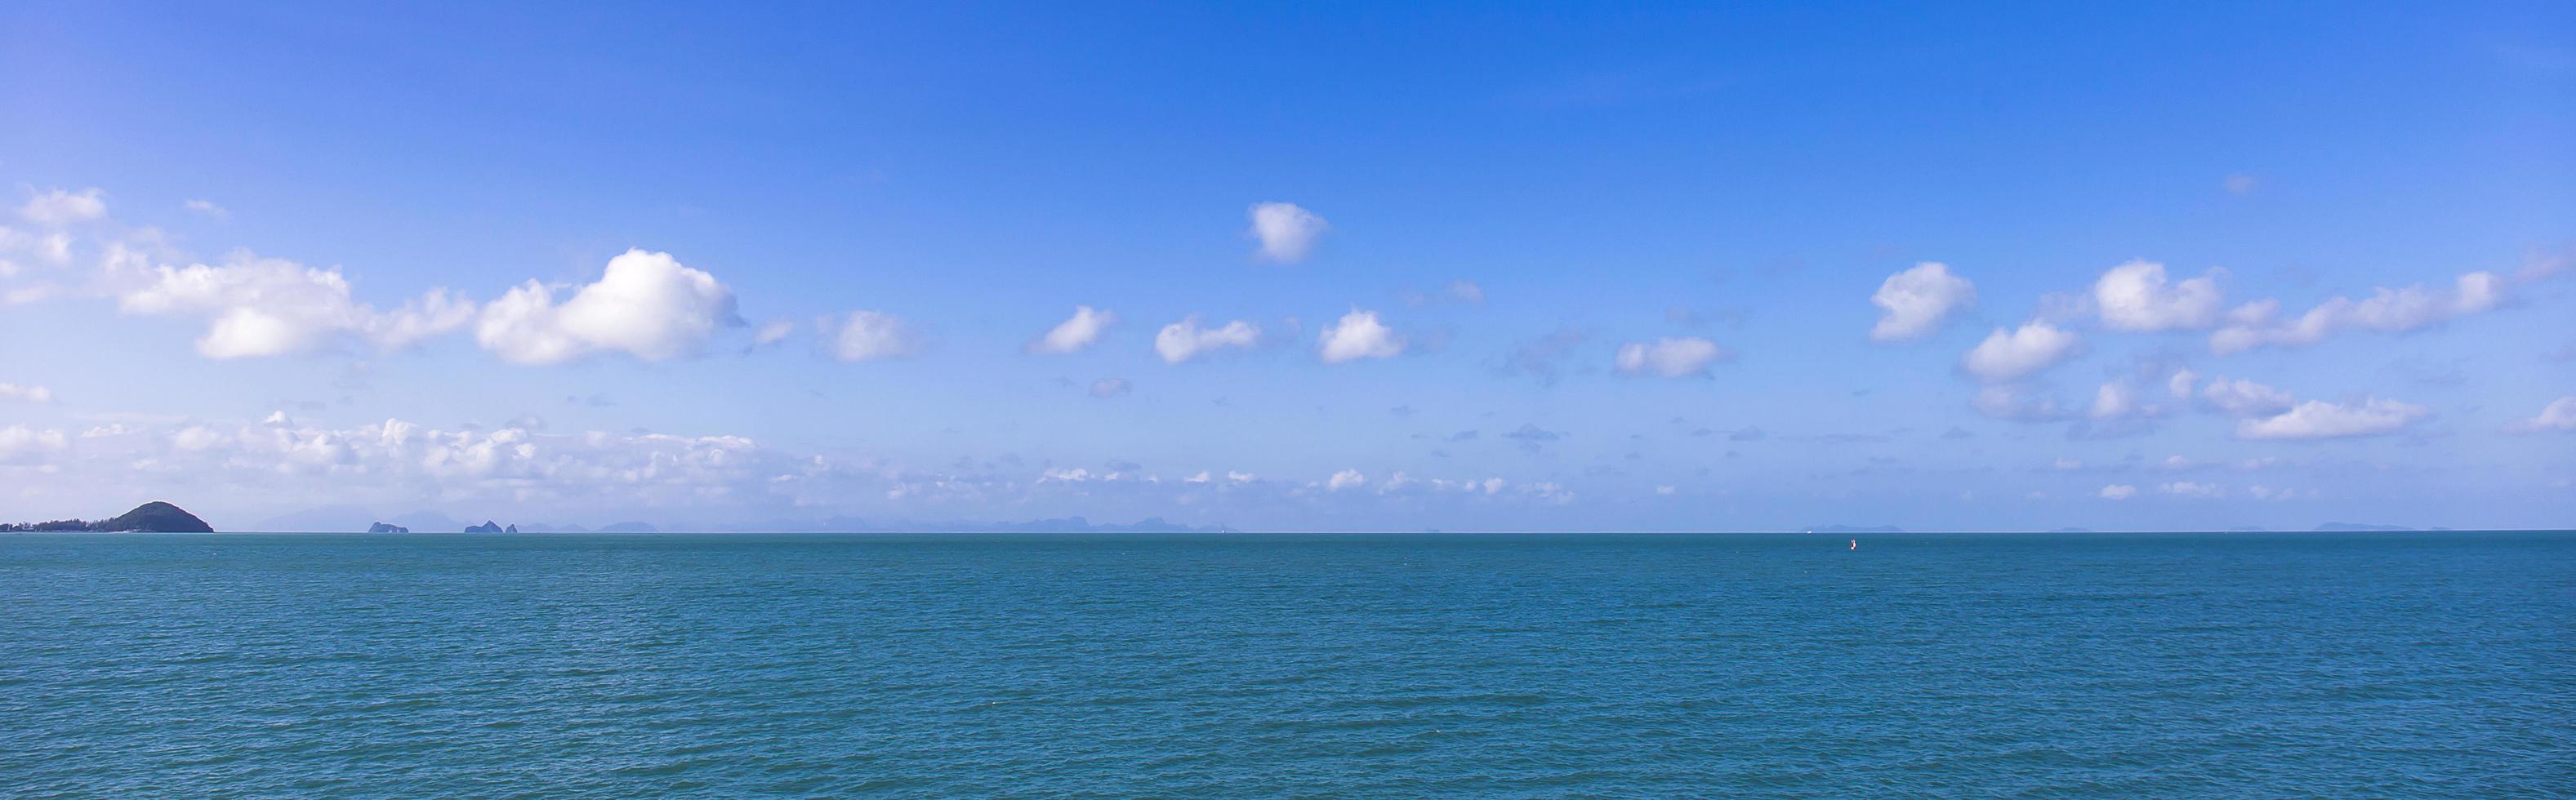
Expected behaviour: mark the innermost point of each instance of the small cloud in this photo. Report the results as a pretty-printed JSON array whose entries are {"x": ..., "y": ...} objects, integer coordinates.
[
  {"x": 1915, "y": 302},
  {"x": 2559, "y": 415},
  {"x": 2137, "y": 297},
  {"x": 1359, "y": 335},
  {"x": 1746, "y": 435},
  {"x": 208, "y": 208},
  {"x": 2202, "y": 491},
  {"x": 25, "y": 394},
  {"x": 1287, "y": 233},
  {"x": 1185, "y": 340},
  {"x": 2240, "y": 184},
  {"x": 2008, "y": 354},
  {"x": 1075, "y": 333},
  {"x": 869, "y": 336},
  {"x": 2317, "y": 419},
  {"x": 1109, "y": 387},
  {"x": 2412, "y": 308},
  {"x": 1345, "y": 479},
  {"x": 645, "y": 304},
  {"x": 2118, "y": 491},
  {"x": 1670, "y": 358},
  {"x": 59, "y": 209}
]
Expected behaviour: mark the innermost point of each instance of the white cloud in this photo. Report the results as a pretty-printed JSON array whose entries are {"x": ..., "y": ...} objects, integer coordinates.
[
  {"x": 2387, "y": 310},
  {"x": 208, "y": 208},
  {"x": 646, "y": 304},
  {"x": 19, "y": 442},
  {"x": 2193, "y": 490},
  {"x": 2135, "y": 297},
  {"x": 868, "y": 336},
  {"x": 2180, "y": 384},
  {"x": 49, "y": 249},
  {"x": 2118, "y": 491},
  {"x": 2241, "y": 184},
  {"x": 267, "y": 307},
  {"x": 1109, "y": 387},
  {"x": 2010, "y": 354},
  {"x": 1359, "y": 335},
  {"x": 1915, "y": 302},
  {"x": 1671, "y": 358},
  {"x": 2559, "y": 415},
  {"x": 1345, "y": 479},
  {"x": 2069, "y": 463},
  {"x": 1185, "y": 340},
  {"x": 2115, "y": 399},
  {"x": 1075, "y": 333},
  {"x": 2245, "y": 398},
  {"x": 26, "y": 394},
  {"x": 774, "y": 331},
  {"x": 1287, "y": 233},
  {"x": 2317, "y": 419},
  {"x": 58, "y": 208}
]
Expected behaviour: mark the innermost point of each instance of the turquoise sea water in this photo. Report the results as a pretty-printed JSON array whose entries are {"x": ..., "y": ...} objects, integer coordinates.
[{"x": 2112, "y": 665}]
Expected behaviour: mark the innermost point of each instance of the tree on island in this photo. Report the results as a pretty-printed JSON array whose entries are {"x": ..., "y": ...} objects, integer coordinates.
[{"x": 152, "y": 517}]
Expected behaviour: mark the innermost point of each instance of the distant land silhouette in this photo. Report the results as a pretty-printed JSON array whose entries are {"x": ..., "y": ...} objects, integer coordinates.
[{"x": 152, "y": 517}]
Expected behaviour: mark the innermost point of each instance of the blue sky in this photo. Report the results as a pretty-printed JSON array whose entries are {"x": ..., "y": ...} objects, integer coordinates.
[{"x": 1530, "y": 267}]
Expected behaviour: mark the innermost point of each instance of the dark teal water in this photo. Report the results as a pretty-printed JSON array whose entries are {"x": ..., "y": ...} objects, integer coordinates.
[{"x": 2116, "y": 665}]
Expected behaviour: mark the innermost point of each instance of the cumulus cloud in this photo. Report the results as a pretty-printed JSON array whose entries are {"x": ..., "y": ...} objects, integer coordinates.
[
  {"x": 1359, "y": 335},
  {"x": 2245, "y": 398},
  {"x": 1109, "y": 387},
  {"x": 2009, "y": 354},
  {"x": 2136, "y": 297},
  {"x": 2559, "y": 415},
  {"x": 25, "y": 394},
  {"x": 1345, "y": 479},
  {"x": 868, "y": 336},
  {"x": 646, "y": 304},
  {"x": 2118, "y": 491},
  {"x": 1287, "y": 233},
  {"x": 208, "y": 208},
  {"x": 1915, "y": 302},
  {"x": 1671, "y": 358},
  {"x": 58, "y": 208},
  {"x": 259, "y": 306},
  {"x": 20, "y": 443},
  {"x": 773, "y": 332},
  {"x": 1185, "y": 340},
  {"x": 1075, "y": 333},
  {"x": 2317, "y": 419},
  {"x": 2117, "y": 399},
  {"x": 2259, "y": 324},
  {"x": 2180, "y": 384},
  {"x": 2193, "y": 490}
]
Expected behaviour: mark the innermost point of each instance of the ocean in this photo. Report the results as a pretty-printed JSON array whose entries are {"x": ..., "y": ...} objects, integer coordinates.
[{"x": 1301, "y": 665}]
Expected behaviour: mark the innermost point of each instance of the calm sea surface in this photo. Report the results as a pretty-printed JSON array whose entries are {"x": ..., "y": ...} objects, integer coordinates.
[{"x": 2119, "y": 665}]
